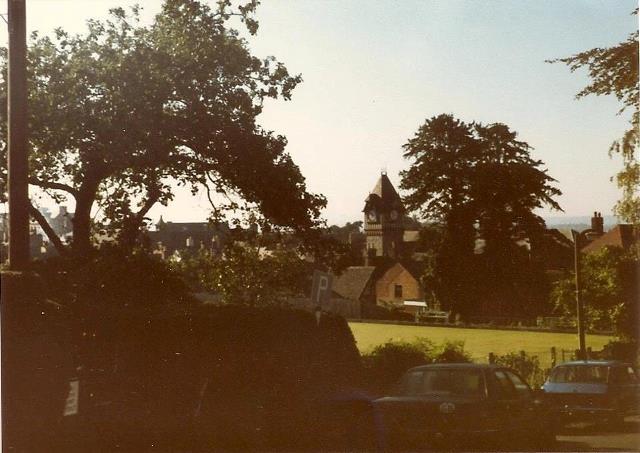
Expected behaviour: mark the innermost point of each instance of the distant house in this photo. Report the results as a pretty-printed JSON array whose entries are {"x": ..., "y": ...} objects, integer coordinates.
[
  {"x": 622, "y": 235},
  {"x": 397, "y": 284},
  {"x": 170, "y": 237}
]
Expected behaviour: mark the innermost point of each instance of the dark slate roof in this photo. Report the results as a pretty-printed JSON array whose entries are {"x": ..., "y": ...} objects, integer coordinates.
[
  {"x": 560, "y": 236},
  {"x": 352, "y": 282},
  {"x": 385, "y": 193},
  {"x": 622, "y": 235},
  {"x": 185, "y": 226}
]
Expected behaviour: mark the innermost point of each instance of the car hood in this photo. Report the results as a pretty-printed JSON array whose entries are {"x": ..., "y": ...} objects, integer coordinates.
[
  {"x": 435, "y": 413},
  {"x": 428, "y": 399},
  {"x": 575, "y": 387}
]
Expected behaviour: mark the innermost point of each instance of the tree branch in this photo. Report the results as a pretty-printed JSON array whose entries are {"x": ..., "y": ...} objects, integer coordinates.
[
  {"x": 53, "y": 237},
  {"x": 54, "y": 185},
  {"x": 131, "y": 227},
  {"x": 154, "y": 196}
]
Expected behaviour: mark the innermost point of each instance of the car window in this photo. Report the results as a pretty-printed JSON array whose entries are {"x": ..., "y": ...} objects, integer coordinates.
[
  {"x": 507, "y": 389},
  {"x": 522, "y": 388},
  {"x": 446, "y": 381},
  {"x": 586, "y": 374},
  {"x": 560, "y": 374}
]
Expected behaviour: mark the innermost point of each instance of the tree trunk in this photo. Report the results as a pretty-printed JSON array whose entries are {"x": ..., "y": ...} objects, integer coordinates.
[
  {"x": 82, "y": 218},
  {"x": 132, "y": 226},
  {"x": 53, "y": 237}
]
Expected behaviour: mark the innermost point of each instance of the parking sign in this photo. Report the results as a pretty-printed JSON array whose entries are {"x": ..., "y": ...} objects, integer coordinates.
[{"x": 321, "y": 288}]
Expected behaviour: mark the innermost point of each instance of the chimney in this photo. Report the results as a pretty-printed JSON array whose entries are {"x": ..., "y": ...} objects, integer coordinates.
[{"x": 597, "y": 224}]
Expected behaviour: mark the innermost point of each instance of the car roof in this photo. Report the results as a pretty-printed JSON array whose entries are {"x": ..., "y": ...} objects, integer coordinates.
[
  {"x": 596, "y": 362},
  {"x": 432, "y": 366}
]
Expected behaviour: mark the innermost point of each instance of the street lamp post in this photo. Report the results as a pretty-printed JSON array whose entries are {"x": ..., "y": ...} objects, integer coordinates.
[{"x": 577, "y": 242}]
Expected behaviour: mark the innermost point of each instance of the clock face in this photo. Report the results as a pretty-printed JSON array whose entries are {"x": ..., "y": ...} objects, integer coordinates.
[
  {"x": 372, "y": 216},
  {"x": 394, "y": 215}
]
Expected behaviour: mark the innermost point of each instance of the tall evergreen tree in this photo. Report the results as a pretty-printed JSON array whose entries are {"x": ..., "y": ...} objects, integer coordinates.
[{"x": 481, "y": 183}]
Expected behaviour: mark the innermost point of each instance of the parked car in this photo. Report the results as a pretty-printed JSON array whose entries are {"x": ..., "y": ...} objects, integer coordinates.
[
  {"x": 445, "y": 406},
  {"x": 593, "y": 390}
]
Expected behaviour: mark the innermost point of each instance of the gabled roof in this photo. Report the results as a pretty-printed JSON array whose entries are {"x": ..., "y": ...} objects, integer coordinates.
[
  {"x": 353, "y": 281},
  {"x": 385, "y": 193},
  {"x": 622, "y": 235},
  {"x": 415, "y": 268}
]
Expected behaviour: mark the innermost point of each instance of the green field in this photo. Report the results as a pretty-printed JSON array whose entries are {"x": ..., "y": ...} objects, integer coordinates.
[{"x": 478, "y": 342}]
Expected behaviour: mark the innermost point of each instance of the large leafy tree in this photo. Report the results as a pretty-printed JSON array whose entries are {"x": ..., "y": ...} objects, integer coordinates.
[
  {"x": 614, "y": 71},
  {"x": 479, "y": 182},
  {"x": 120, "y": 113},
  {"x": 609, "y": 291}
]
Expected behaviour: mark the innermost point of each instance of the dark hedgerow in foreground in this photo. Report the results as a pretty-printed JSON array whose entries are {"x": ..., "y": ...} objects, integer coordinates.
[
  {"x": 231, "y": 377},
  {"x": 172, "y": 376}
]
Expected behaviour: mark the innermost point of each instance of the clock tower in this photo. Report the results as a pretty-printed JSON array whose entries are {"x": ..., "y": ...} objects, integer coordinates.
[{"x": 383, "y": 223}]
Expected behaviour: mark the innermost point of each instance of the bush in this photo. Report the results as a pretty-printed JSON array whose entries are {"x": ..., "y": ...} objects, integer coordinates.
[
  {"x": 624, "y": 350},
  {"x": 451, "y": 352},
  {"x": 388, "y": 313},
  {"x": 527, "y": 366},
  {"x": 388, "y": 362}
]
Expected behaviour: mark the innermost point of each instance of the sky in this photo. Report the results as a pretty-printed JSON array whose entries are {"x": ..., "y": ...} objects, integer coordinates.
[{"x": 374, "y": 70}]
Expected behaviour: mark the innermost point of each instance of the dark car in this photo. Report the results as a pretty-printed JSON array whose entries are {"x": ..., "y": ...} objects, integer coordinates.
[
  {"x": 593, "y": 390},
  {"x": 464, "y": 406}
]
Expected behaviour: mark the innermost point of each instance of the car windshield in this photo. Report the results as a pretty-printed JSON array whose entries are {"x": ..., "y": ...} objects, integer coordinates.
[
  {"x": 442, "y": 381},
  {"x": 585, "y": 374}
]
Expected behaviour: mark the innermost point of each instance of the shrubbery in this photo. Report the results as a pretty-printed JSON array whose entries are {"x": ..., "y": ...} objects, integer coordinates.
[
  {"x": 625, "y": 350},
  {"x": 527, "y": 366},
  {"x": 386, "y": 363}
]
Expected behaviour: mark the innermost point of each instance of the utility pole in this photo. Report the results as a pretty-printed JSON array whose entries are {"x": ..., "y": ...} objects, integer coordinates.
[
  {"x": 17, "y": 164},
  {"x": 579, "y": 304}
]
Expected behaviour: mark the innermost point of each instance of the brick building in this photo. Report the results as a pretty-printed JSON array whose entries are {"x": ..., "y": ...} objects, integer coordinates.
[{"x": 390, "y": 276}]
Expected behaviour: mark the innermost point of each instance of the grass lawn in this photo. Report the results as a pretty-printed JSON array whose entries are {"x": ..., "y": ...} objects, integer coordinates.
[{"x": 478, "y": 342}]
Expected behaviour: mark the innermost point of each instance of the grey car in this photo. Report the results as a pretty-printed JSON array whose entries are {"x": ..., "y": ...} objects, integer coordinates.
[{"x": 593, "y": 390}]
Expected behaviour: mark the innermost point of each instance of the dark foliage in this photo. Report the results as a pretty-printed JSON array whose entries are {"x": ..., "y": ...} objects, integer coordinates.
[
  {"x": 479, "y": 183},
  {"x": 624, "y": 350},
  {"x": 386, "y": 364},
  {"x": 112, "y": 279},
  {"x": 527, "y": 366},
  {"x": 230, "y": 377},
  {"x": 37, "y": 363},
  {"x": 610, "y": 291},
  {"x": 387, "y": 313}
]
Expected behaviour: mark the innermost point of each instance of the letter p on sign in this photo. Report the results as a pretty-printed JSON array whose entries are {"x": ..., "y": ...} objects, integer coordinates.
[{"x": 321, "y": 288}]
